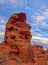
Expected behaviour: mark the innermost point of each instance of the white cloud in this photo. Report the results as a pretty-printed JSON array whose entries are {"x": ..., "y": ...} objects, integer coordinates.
[
  {"x": 12, "y": 2},
  {"x": 3, "y": 19},
  {"x": 40, "y": 39},
  {"x": 2, "y": 27},
  {"x": 44, "y": 24},
  {"x": 46, "y": 14},
  {"x": 38, "y": 18},
  {"x": 41, "y": 17},
  {"x": 37, "y": 31},
  {"x": 1, "y": 34}
]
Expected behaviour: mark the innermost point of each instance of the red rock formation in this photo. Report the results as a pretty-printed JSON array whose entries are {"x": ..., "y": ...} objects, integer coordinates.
[
  {"x": 18, "y": 34},
  {"x": 16, "y": 48},
  {"x": 40, "y": 55}
]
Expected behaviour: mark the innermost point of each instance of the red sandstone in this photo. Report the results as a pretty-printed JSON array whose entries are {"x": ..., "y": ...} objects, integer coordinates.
[{"x": 16, "y": 48}]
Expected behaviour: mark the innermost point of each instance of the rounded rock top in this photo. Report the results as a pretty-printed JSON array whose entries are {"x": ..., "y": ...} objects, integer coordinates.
[{"x": 21, "y": 17}]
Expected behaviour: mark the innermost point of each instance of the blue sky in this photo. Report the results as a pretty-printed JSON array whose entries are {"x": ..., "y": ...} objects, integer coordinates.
[{"x": 36, "y": 12}]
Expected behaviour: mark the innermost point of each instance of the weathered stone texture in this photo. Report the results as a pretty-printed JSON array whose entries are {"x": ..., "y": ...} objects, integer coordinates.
[{"x": 16, "y": 48}]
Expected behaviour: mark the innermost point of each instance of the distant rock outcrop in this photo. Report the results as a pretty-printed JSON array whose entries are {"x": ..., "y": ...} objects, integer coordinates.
[{"x": 16, "y": 48}]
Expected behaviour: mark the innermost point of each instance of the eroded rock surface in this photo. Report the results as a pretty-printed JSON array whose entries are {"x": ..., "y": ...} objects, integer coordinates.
[{"x": 16, "y": 48}]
